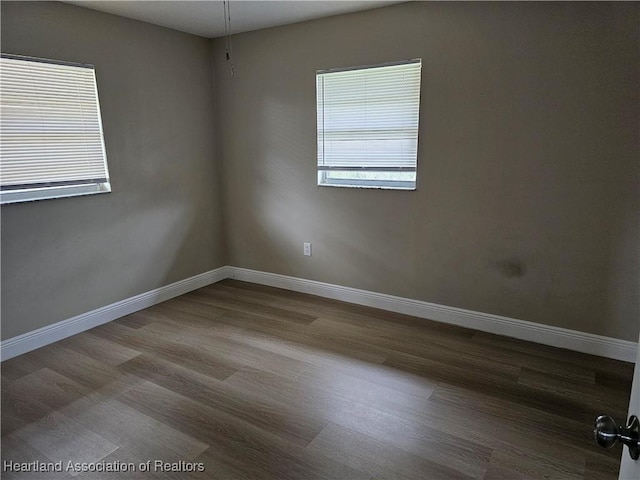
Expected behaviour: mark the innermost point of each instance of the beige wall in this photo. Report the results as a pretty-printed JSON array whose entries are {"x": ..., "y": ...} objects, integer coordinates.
[
  {"x": 527, "y": 199},
  {"x": 161, "y": 223}
]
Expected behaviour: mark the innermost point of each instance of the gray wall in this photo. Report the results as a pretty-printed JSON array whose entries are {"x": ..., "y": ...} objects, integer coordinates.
[
  {"x": 162, "y": 222},
  {"x": 527, "y": 200}
]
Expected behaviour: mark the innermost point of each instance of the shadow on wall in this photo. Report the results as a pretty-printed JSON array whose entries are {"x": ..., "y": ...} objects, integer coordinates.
[
  {"x": 288, "y": 208},
  {"x": 76, "y": 264}
]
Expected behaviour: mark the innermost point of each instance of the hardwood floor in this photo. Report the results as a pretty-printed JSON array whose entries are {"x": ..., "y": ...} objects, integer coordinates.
[{"x": 255, "y": 382}]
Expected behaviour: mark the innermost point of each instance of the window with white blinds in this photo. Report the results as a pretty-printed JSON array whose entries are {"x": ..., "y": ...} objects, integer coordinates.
[
  {"x": 51, "y": 141},
  {"x": 367, "y": 122}
]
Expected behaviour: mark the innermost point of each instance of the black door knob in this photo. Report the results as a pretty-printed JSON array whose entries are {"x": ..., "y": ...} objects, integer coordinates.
[{"x": 607, "y": 434}]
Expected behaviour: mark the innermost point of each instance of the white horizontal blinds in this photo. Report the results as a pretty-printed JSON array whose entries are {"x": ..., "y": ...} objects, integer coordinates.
[
  {"x": 50, "y": 127},
  {"x": 368, "y": 118}
]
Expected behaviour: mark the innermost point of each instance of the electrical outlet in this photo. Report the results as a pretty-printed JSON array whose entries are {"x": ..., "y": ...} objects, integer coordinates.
[{"x": 306, "y": 249}]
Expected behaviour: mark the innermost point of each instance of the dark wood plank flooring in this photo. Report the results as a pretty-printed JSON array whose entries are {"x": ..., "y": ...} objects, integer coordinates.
[{"x": 260, "y": 383}]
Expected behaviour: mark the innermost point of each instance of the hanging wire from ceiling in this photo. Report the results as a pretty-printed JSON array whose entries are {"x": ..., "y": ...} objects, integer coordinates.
[{"x": 227, "y": 31}]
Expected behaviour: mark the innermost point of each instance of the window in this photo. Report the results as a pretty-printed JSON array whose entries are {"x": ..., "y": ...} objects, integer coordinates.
[
  {"x": 368, "y": 125},
  {"x": 51, "y": 142}
]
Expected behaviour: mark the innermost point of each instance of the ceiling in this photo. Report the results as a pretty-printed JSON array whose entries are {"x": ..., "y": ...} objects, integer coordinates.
[{"x": 206, "y": 18}]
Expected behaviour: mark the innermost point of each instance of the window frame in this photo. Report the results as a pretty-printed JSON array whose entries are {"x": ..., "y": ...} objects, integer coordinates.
[
  {"x": 28, "y": 192},
  {"x": 324, "y": 173}
]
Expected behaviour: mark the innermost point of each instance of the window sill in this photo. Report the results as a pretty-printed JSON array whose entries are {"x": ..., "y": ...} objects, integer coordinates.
[
  {"x": 20, "y": 196},
  {"x": 369, "y": 187}
]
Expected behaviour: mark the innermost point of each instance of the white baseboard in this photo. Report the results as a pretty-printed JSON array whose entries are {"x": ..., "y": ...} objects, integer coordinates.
[
  {"x": 27, "y": 342},
  {"x": 485, "y": 322}
]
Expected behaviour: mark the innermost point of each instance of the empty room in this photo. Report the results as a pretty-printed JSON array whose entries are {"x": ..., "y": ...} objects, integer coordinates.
[{"x": 333, "y": 240}]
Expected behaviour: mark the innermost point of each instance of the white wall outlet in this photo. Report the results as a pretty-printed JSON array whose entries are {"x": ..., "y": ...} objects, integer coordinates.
[{"x": 306, "y": 249}]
